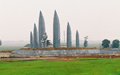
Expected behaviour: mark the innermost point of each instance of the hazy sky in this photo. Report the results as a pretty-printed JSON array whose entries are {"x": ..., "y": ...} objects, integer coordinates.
[{"x": 97, "y": 19}]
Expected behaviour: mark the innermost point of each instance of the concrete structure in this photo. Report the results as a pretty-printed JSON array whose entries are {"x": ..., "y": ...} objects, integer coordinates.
[
  {"x": 31, "y": 40},
  {"x": 41, "y": 28},
  {"x": 56, "y": 31},
  {"x": 77, "y": 39},
  {"x": 44, "y": 41},
  {"x": 35, "y": 44},
  {"x": 69, "y": 41},
  {"x": 64, "y": 52}
]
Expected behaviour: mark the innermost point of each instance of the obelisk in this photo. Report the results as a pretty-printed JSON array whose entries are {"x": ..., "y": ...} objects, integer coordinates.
[
  {"x": 31, "y": 40},
  {"x": 35, "y": 36},
  {"x": 69, "y": 41},
  {"x": 41, "y": 28},
  {"x": 56, "y": 31},
  {"x": 77, "y": 39}
]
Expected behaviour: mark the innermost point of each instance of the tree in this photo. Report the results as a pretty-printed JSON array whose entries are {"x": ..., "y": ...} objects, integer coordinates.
[
  {"x": 115, "y": 43},
  {"x": 85, "y": 43},
  {"x": 105, "y": 43}
]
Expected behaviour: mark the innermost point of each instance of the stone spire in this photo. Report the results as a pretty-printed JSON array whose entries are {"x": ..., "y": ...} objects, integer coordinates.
[
  {"x": 31, "y": 40},
  {"x": 41, "y": 28},
  {"x": 56, "y": 31},
  {"x": 77, "y": 39},
  {"x": 35, "y": 36},
  {"x": 69, "y": 42}
]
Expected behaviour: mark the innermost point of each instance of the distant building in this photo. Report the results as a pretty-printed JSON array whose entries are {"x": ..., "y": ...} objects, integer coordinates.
[{"x": 63, "y": 45}]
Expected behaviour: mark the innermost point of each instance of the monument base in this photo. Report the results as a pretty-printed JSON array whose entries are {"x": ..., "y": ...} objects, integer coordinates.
[{"x": 62, "y": 52}]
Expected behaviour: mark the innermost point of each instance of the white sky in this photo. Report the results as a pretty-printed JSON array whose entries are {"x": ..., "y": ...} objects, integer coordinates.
[{"x": 97, "y": 19}]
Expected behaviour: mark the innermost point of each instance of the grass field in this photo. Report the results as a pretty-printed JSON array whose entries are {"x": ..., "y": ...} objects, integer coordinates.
[{"x": 100, "y": 66}]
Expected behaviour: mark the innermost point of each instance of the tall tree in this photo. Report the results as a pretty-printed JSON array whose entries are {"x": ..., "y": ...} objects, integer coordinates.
[
  {"x": 86, "y": 42},
  {"x": 115, "y": 43},
  {"x": 105, "y": 43}
]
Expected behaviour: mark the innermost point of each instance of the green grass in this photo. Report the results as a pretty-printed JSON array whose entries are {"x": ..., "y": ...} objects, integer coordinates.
[{"x": 101, "y": 66}]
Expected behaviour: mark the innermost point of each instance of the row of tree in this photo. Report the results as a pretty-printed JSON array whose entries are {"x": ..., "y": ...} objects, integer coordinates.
[{"x": 106, "y": 43}]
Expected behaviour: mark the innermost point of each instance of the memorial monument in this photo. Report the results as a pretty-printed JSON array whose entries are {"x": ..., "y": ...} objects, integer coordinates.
[
  {"x": 31, "y": 40},
  {"x": 69, "y": 41},
  {"x": 77, "y": 39},
  {"x": 35, "y": 37},
  {"x": 44, "y": 41},
  {"x": 41, "y": 28},
  {"x": 56, "y": 31}
]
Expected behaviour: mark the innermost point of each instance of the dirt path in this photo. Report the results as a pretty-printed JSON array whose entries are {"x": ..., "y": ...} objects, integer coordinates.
[
  {"x": 42, "y": 58},
  {"x": 91, "y": 56},
  {"x": 63, "y": 58}
]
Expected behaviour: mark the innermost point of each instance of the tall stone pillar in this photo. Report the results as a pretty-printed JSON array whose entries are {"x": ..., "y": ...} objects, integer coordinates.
[
  {"x": 41, "y": 28},
  {"x": 35, "y": 37},
  {"x": 31, "y": 40},
  {"x": 56, "y": 31},
  {"x": 77, "y": 39},
  {"x": 69, "y": 41}
]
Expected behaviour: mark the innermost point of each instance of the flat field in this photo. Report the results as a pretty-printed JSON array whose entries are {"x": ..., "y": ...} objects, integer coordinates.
[
  {"x": 4, "y": 48},
  {"x": 80, "y": 66}
]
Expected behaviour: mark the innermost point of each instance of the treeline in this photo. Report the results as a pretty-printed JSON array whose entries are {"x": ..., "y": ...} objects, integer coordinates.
[{"x": 106, "y": 43}]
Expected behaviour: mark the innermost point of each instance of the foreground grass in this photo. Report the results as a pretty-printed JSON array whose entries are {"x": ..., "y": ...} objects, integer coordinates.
[{"x": 101, "y": 66}]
